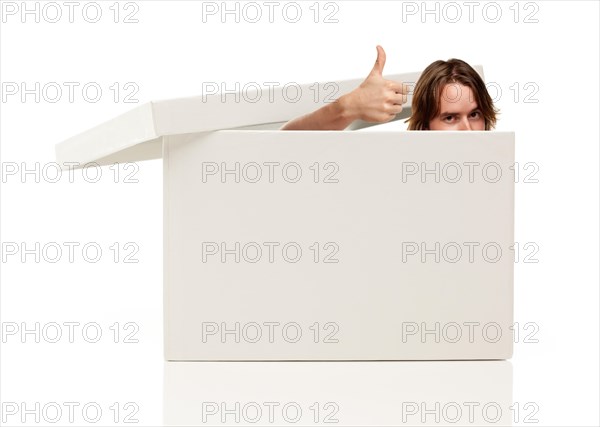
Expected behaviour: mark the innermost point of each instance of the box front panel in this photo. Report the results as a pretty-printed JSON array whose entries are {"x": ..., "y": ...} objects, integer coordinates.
[{"x": 339, "y": 245}]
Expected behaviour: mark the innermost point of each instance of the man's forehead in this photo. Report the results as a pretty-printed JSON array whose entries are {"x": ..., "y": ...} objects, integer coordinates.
[{"x": 457, "y": 98}]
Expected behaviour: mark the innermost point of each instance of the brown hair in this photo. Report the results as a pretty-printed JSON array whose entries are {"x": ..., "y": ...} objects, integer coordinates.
[{"x": 428, "y": 91}]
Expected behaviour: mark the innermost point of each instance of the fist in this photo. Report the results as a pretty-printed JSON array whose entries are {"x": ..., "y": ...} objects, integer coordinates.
[{"x": 377, "y": 100}]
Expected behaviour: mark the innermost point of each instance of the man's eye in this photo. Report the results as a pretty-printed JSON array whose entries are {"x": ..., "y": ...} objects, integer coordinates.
[
  {"x": 448, "y": 118},
  {"x": 475, "y": 114}
]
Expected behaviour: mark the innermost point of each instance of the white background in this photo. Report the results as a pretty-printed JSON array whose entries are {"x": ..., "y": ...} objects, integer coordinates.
[{"x": 169, "y": 53}]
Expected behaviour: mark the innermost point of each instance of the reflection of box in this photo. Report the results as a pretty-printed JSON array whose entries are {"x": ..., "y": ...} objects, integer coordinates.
[
  {"x": 290, "y": 245},
  {"x": 441, "y": 393}
]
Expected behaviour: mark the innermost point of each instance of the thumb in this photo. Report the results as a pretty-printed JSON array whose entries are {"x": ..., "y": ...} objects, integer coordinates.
[{"x": 379, "y": 63}]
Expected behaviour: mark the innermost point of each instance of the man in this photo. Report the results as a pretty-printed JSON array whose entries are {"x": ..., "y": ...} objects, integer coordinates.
[{"x": 449, "y": 95}]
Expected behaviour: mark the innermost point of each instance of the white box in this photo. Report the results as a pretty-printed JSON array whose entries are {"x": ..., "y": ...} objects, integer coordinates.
[{"x": 319, "y": 233}]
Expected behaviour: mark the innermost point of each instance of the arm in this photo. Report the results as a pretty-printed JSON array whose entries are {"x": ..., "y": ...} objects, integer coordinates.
[
  {"x": 335, "y": 116},
  {"x": 375, "y": 100}
]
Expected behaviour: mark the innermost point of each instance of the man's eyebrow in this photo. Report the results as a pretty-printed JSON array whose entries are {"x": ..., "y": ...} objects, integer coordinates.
[{"x": 447, "y": 113}]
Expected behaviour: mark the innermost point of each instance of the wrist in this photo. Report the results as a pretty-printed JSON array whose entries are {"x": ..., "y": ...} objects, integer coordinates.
[{"x": 347, "y": 107}]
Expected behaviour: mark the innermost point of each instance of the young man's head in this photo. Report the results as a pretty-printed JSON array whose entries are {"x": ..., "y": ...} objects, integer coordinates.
[{"x": 450, "y": 95}]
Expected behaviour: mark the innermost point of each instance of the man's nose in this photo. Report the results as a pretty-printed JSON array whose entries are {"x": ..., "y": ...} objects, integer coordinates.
[{"x": 465, "y": 124}]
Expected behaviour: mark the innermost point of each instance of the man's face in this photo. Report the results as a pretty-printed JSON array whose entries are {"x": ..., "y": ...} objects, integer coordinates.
[{"x": 458, "y": 110}]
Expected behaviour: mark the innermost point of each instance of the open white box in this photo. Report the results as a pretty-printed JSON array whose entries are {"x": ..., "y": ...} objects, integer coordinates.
[{"x": 300, "y": 245}]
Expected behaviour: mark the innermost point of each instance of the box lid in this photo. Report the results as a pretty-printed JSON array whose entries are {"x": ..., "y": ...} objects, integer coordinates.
[{"x": 136, "y": 134}]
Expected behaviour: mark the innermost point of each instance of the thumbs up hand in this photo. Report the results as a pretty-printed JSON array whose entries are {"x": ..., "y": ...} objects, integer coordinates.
[{"x": 377, "y": 99}]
